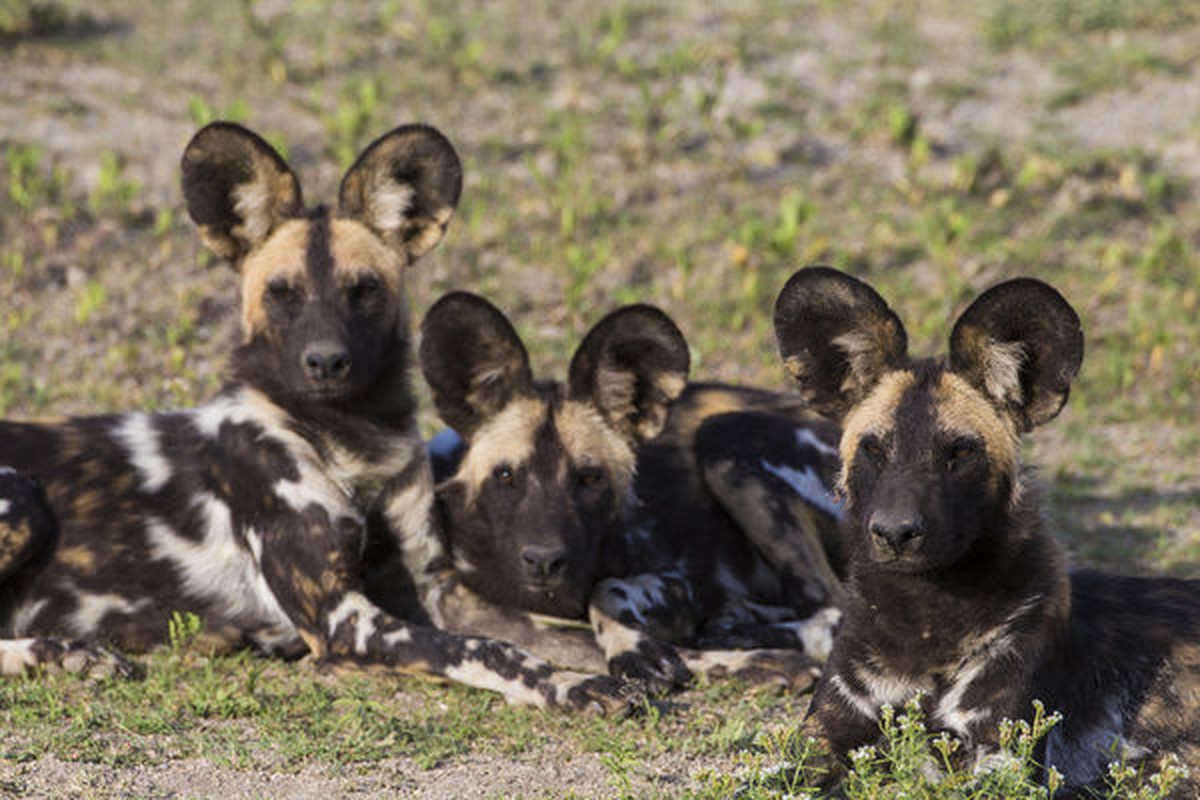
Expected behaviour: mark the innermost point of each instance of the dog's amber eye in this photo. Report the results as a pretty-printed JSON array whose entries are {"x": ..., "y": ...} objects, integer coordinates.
[
  {"x": 278, "y": 288},
  {"x": 960, "y": 451},
  {"x": 503, "y": 473},
  {"x": 873, "y": 449},
  {"x": 590, "y": 476},
  {"x": 365, "y": 288},
  {"x": 282, "y": 293}
]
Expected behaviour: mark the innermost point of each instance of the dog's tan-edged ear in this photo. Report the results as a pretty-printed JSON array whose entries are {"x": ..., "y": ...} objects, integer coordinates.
[
  {"x": 405, "y": 187},
  {"x": 1021, "y": 344},
  {"x": 631, "y": 366},
  {"x": 473, "y": 361},
  {"x": 237, "y": 188},
  {"x": 837, "y": 338}
]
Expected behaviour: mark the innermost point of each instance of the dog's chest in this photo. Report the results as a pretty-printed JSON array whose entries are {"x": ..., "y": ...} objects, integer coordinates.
[{"x": 957, "y": 679}]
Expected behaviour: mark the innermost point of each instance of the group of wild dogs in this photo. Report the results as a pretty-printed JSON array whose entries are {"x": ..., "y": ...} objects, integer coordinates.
[{"x": 879, "y": 521}]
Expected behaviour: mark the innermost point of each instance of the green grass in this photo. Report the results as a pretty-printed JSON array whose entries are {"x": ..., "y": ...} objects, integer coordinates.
[{"x": 614, "y": 152}]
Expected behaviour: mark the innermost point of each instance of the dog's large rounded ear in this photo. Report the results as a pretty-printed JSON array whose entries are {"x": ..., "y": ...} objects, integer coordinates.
[
  {"x": 405, "y": 187},
  {"x": 473, "y": 361},
  {"x": 837, "y": 337},
  {"x": 631, "y": 366},
  {"x": 237, "y": 189},
  {"x": 1021, "y": 344}
]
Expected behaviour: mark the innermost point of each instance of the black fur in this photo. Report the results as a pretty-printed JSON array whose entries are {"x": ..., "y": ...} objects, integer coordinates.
[{"x": 957, "y": 590}]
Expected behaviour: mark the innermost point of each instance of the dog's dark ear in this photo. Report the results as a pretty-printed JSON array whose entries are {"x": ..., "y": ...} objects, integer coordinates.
[
  {"x": 837, "y": 337},
  {"x": 405, "y": 187},
  {"x": 473, "y": 361},
  {"x": 237, "y": 189},
  {"x": 1021, "y": 344},
  {"x": 631, "y": 366}
]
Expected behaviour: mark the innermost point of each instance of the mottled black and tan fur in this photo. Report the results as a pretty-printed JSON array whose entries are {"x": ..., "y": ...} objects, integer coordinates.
[
  {"x": 622, "y": 497},
  {"x": 957, "y": 590},
  {"x": 253, "y": 510}
]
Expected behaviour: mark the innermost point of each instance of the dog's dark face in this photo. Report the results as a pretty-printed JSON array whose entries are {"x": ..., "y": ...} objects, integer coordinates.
[
  {"x": 930, "y": 448},
  {"x": 322, "y": 290},
  {"x": 547, "y": 467}
]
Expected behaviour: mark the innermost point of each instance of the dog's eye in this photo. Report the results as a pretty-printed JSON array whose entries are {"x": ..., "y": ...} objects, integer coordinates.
[
  {"x": 503, "y": 473},
  {"x": 873, "y": 449},
  {"x": 279, "y": 288},
  {"x": 365, "y": 288},
  {"x": 282, "y": 294},
  {"x": 960, "y": 451},
  {"x": 590, "y": 476}
]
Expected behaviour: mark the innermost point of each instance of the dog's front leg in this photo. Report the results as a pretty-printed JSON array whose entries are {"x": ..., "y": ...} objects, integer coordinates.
[
  {"x": 309, "y": 563},
  {"x": 636, "y": 618}
]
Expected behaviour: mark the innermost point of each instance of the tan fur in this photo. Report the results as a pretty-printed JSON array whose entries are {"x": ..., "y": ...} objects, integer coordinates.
[
  {"x": 589, "y": 441},
  {"x": 357, "y": 252},
  {"x": 505, "y": 438},
  {"x": 283, "y": 256},
  {"x": 962, "y": 410},
  {"x": 875, "y": 414},
  {"x": 79, "y": 558},
  {"x": 14, "y": 538}
]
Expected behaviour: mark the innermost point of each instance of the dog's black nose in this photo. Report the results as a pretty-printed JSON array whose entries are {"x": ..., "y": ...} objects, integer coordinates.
[
  {"x": 327, "y": 362},
  {"x": 896, "y": 532},
  {"x": 544, "y": 562}
]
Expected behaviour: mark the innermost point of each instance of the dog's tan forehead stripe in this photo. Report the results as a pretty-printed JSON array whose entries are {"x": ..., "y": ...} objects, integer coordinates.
[
  {"x": 506, "y": 438},
  {"x": 281, "y": 255},
  {"x": 875, "y": 414},
  {"x": 962, "y": 410},
  {"x": 356, "y": 250},
  {"x": 585, "y": 435}
]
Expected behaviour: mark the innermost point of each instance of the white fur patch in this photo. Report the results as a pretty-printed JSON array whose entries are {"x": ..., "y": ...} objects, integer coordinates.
[
  {"x": 473, "y": 673},
  {"x": 16, "y": 655},
  {"x": 816, "y": 632},
  {"x": 5, "y": 507},
  {"x": 397, "y": 637},
  {"x": 859, "y": 702},
  {"x": 895, "y": 690},
  {"x": 252, "y": 202},
  {"x": 1002, "y": 372},
  {"x": 806, "y": 438},
  {"x": 24, "y": 615},
  {"x": 91, "y": 609},
  {"x": 364, "y": 612},
  {"x": 218, "y": 570},
  {"x": 140, "y": 438},
  {"x": 390, "y": 204},
  {"x": 808, "y": 485},
  {"x": 409, "y": 514}
]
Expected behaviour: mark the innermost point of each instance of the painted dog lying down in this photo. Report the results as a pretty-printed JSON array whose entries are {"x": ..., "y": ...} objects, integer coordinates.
[
  {"x": 251, "y": 510},
  {"x": 700, "y": 520},
  {"x": 957, "y": 590}
]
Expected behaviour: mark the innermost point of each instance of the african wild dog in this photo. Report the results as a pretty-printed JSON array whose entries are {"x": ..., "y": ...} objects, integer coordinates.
[
  {"x": 252, "y": 510},
  {"x": 607, "y": 497},
  {"x": 957, "y": 590}
]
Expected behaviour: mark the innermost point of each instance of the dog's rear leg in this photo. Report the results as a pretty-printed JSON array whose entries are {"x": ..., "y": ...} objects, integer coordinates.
[
  {"x": 28, "y": 528},
  {"x": 773, "y": 478}
]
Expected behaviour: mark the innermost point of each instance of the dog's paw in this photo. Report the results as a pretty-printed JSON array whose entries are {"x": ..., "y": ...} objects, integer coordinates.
[
  {"x": 654, "y": 664},
  {"x": 790, "y": 670},
  {"x": 95, "y": 662},
  {"x": 598, "y": 694}
]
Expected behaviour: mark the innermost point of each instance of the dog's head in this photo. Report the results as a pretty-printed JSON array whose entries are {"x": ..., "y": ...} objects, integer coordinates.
[
  {"x": 547, "y": 467},
  {"x": 930, "y": 447},
  {"x": 322, "y": 289}
]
